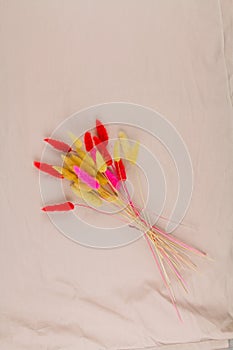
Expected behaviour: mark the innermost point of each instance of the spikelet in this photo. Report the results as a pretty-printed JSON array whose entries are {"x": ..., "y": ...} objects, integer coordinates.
[
  {"x": 83, "y": 187},
  {"x": 68, "y": 162},
  {"x": 116, "y": 151},
  {"x": 76, "y": 189},
  {"x": 107, "y": 195},
  {"x": 83, "y": 165},
  {"x": 85, "y": 156},
  {"x": 93, "y": 154},
  {"x": 125, "y": 145},
  {"x": 130, "y": 153},
  {"x": 120, "y": 170},
  {"x": 100, "y": 163},
  {"x": 59, "y": 145},
  {"x": 111, "y": 177},
  {"x": 68, "y": 175},
  {"x": 90, "y": 197},
  {"x": 59, "y": 207},
  {"x": 85, "y": 177},
  {"x": 72, "y": 160},
  {"x": 134, "y": 153},
  {"x": 76, "y": 141},
  {"x": 101, "y": 147},
  {"x": 101, "y": 131},
  {"x": 72, "y": 177},
  {"x": 102, "y": 179},
  {"x": 88, "y": 141}
]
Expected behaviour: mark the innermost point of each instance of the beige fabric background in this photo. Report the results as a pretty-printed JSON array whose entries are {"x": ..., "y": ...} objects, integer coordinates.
[{"x": 56, "y": 58}]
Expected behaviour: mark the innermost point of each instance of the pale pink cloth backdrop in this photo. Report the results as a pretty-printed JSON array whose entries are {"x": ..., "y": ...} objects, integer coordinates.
[{"x": 56, "y": 58}]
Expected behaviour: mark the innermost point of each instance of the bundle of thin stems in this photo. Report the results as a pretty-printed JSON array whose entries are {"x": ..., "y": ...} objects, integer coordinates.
[{"x": 97, "y": 177}]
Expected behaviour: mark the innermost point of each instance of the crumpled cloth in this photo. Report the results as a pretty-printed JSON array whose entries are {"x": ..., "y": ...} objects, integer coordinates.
[{"x": 58, "y": 57}]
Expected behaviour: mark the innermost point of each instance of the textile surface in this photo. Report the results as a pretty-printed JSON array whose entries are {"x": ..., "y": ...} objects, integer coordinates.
[{"x": 58, "y": 57}]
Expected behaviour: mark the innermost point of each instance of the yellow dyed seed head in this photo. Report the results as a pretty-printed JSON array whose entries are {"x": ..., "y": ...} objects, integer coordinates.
[
  {"x": 102, "y": 179},
  {"x": 124, "y": 142},
  {"x": 134, "y": 153},
  {"x": 85, "y": 157},
  {"x": 68, "y": 175},
  {"x": 100, "y": 163},
  {"x": 122, "y": 135},
  {"x": 76, "y": 160},
  {"x": 76, "y": 190},
  {"x": 58, "y": 169},
  {"x": 67, "y": 162},
  {"x": 83, "y": 165},
  {"x": 116, "y": 151},
  {"x": 90, "y": 198},
  {"x": 76, "y": 141},
  {"x": 106, "y": 195},
  {"x": 82, "y": 187}
]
